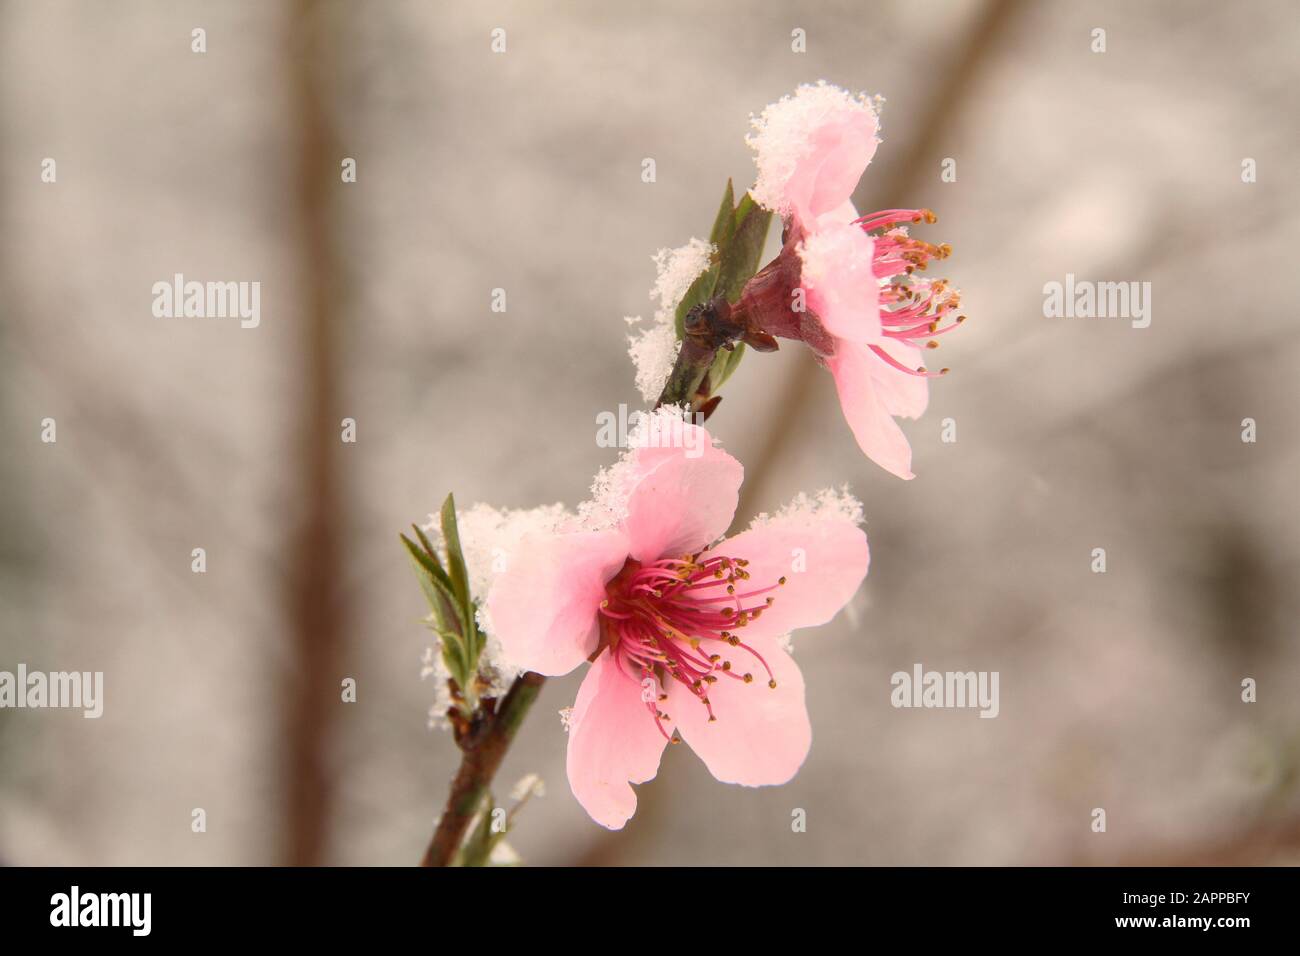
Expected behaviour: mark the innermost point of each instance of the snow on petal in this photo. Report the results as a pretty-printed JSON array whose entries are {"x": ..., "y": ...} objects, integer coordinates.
[
  {"x": 812, "y": 148},
  {"x": 672, "y": 491},
  {"x": 840, "y": 284},
  {"x": 812, "y": 554}
]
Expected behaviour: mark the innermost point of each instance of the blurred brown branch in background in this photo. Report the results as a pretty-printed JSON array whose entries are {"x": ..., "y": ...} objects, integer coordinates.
[{"x": 315, "y": 568}]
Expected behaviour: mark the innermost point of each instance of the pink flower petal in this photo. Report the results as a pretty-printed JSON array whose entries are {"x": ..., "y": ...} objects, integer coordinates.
[
  {"x": 846, "y": 212},
  {"x": 841, "y": 287},
  {"x": 543, "y": 606},
  {"x": 811, "y": 148},
  {"x": 762, "y": 734},
  {"x": 823, "y": 561},
  {"x": 838, "y": 156},
  {"x": 613, "y": 741},
  {"x": 868, "y": 416},
  {"x": 681, "y": 503},
  {"x": 901, "y": 394}
]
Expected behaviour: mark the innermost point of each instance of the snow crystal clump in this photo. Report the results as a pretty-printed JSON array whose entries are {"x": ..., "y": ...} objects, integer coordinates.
[
  {"x": 654, "y": 348},
  {"x": 667, "y": 426},
  {"x": 488, "y": 537},
  {"x": 833, "y": 503},
  {"x": 785, "y": 133}
]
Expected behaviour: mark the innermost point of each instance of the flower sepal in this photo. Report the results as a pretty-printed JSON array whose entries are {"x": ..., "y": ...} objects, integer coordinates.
[{"x": 739, "y": 233}]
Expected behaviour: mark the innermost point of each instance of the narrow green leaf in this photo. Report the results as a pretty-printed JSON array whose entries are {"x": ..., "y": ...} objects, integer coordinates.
[
  {"x": 455, "y": 559},
  {"x": 724, "y": 226},
  {"x": 477, "y": 849},
  {"x": 701, "y": 290},
  {"x": 745, "y": 251},
  {"x": 437, "y": 580},
  {"x": 427, "y": 558},
  {"x": 425, "y": 543},
  {"x": 454, "y": 656},
  {"x": 430, "y": 592},
  {"x": 448, "y": 617},
  {"x": 459, "y": 575},
  {"x": 737, "y": 264},
  {"x": 723, "y": 365}
]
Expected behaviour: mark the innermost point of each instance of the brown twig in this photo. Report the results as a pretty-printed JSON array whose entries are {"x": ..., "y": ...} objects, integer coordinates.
[
  {"x": 707, "y": 328},
  {"x": 482, "y": 749}
]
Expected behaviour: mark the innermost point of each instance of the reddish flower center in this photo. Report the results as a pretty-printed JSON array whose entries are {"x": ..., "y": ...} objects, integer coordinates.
[{"x": 677, "y": 618}]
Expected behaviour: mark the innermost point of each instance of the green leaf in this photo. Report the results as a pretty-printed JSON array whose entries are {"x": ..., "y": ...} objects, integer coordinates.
[
  {"x": 723, "y": 365},
  {"x": 725, "y": 223},
  {"x": 460, "y": 578},
  {"x": 425, "y": 543},
  {"x": 478, "y": 846},
  {"x": 436, "y": 585},
  {"x": 741, "y": 258},
  {"x": 739, "y": 233},
  {"x": 455, "y": 559},
  {"x": 737, "y": 265},
  {"x": 448, "y": 617}
]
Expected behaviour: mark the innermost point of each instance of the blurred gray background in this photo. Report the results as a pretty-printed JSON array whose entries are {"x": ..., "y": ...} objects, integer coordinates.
[{"x": 522, "y": 171}]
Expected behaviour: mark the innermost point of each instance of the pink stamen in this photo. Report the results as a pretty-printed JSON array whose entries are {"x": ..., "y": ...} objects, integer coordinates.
[
  {"x": 659, "y": 619},
  {"x": 918, "y": 304},
  {"x": 890, "y": 360}
]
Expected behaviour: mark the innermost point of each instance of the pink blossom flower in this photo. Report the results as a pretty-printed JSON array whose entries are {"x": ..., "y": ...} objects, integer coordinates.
[
  {"x": 846, "y": 285},
  {"x": 811, "y": 149},
  {"x": 684, "y": 634}
]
